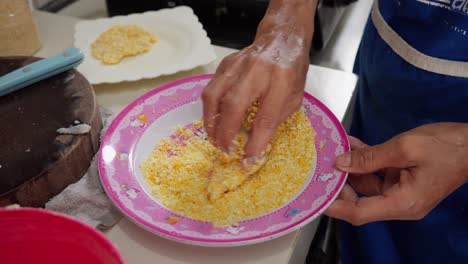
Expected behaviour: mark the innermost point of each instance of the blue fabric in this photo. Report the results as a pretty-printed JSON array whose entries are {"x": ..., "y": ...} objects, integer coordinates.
[
  {"x": 433, "y": 27},
  {"x": 393, "y": 97}
]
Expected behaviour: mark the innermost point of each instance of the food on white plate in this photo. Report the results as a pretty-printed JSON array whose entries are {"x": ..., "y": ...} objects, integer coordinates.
[{"x": 122, "y": 41}]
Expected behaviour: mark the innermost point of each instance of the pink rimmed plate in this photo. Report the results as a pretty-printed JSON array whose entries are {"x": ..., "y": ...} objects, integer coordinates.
[{"x": 135, "y": 132}]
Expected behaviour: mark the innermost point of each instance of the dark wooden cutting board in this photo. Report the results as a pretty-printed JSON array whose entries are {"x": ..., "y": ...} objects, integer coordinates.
[{"x": 36, "y": 162}]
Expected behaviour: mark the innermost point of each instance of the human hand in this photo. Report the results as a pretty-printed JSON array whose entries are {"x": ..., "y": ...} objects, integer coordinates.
[
  {"x": 272, "y": 70},
  {"x": 419, "y": 167},
  {"x": 268, "y": 71}
]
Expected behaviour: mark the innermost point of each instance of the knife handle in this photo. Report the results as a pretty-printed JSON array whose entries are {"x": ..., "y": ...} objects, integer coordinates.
[{"x": 40, "y": 70}]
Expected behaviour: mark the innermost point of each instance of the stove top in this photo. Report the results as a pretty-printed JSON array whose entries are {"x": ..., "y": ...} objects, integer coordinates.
[{"x": 229, "y": 23}]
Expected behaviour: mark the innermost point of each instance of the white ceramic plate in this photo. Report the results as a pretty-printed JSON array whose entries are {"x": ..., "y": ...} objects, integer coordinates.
[{"x": 182, "y": 45}]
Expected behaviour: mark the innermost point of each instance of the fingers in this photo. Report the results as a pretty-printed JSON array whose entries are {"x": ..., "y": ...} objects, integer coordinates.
[
  {"x": 267, "y": 119},
  {"x": 367, "y": 184},
  {"x": 394, "y": 204},
  {"x": 356, "y": 143},
  {"x": 363, "y": 210},
  {"x": 235, "y": 103},
  {"x": 263, "y": 128},
  {"x": 231, "y": 111},
  {"x": 397, "y": 197},
  {"x": 347, "y": 193},
  {"x": 239, "y": 81},
  {"x": 221, "y": 82},
  {"x": 211, "y": 96},
  {"x": 371, "y": 159},
  {"x": 275, "y": 106},
  {"x": 402, "y": 201},
  {"x": 391, "y": 177}
]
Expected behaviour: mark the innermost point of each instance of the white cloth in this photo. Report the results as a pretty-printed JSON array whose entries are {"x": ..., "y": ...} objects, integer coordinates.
[{"x": 86, "y": 200}]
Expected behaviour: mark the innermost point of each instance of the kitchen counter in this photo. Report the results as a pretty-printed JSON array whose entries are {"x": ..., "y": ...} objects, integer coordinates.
[{"x": 334, "y": 88}]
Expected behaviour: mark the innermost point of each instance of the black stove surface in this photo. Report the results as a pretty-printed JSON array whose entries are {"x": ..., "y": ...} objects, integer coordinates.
[{"x": 228, "y": 23}]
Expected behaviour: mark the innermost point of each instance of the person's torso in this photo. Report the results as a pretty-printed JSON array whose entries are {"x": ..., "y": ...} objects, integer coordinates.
[
  {"x": 437, "y": 28},
  {"x": 395, "y": 96},
  {"x": 401, "y": 95}
]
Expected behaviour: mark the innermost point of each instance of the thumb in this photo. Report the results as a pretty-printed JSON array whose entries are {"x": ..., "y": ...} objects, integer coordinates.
[{"x": 370, "y": 159}]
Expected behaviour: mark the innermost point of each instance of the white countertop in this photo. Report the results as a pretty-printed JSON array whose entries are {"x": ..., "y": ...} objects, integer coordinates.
[{"x": 334, "y": 88}]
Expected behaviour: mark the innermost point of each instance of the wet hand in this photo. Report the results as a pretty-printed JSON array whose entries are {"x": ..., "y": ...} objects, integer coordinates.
[{"x": 272, "y": 71}]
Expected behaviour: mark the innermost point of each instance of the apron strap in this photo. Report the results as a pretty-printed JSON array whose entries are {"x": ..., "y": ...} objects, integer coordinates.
[{"x": 413, "y": 56}]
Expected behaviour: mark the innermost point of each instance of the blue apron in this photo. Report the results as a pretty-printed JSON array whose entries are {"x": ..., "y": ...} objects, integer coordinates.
[{"x": 395, "y": 96}]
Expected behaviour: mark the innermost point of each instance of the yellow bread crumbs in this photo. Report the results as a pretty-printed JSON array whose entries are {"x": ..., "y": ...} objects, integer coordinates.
[
  {"x": 229, "y": 172},
  {"x": 179, "y": 173},
  {"x": 121, "y": 41}
]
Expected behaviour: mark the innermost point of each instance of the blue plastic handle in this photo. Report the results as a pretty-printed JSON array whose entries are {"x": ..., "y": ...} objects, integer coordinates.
[{"x": 40, "y": 70}]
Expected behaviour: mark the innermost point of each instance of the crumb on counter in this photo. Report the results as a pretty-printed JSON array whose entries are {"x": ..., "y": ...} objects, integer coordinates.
[{"x": 75, "y": 130}]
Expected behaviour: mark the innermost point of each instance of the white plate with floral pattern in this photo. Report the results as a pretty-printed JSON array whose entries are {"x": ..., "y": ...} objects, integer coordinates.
[{"x": 135, "y": 132}]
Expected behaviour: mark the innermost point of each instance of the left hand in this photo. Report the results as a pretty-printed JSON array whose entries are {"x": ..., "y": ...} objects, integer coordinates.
[{"x": 419, "y": 167}]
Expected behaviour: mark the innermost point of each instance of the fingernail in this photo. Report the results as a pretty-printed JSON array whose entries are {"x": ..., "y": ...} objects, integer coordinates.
[
  {"x": 232, "y": 146},
  {"x": 252, "y": 164},
  {"x": 344, "y": 160},
  {"x": 248, "y": 163},
  {"x": 230, "y": 149}
]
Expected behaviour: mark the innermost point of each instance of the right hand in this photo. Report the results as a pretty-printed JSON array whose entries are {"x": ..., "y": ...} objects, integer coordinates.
[{"x": 273, "y": 71}]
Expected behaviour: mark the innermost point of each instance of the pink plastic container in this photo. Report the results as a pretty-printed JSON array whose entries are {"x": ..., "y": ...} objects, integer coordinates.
[{"x": 38, "y": 236}]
